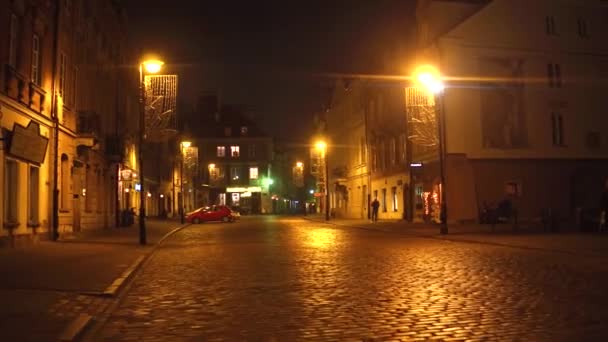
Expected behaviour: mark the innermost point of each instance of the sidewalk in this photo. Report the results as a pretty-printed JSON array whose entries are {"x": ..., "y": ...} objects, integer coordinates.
[
  {"x": 583, "y": 244},
  {"x": 46, "y": 286}
]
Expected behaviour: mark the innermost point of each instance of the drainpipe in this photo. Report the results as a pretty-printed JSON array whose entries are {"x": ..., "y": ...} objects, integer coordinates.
[{"x": 55, "y": 119}]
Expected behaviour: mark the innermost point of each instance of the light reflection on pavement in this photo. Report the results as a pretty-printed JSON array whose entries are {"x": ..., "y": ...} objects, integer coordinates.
[{"x": 266, "y": 278}]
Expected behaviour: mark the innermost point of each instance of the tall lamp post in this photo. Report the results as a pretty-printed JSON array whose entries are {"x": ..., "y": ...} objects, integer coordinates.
[
  {"x": 321, "y": 146},
  {"x": 429, "y": 78},
  {"x": 183, "y": 146},
  {"x": 151, "y": 66},
  {"x": 299, "y": 182}
]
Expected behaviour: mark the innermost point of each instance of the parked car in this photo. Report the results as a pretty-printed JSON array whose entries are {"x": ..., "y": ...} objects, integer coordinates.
[{"x": 213, "y": 213}]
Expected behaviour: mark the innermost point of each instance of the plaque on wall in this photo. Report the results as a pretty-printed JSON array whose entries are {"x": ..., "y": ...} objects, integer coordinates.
[{"x": 27, "y": 143}]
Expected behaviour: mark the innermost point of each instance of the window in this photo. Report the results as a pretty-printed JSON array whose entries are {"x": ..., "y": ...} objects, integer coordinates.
[
  {"x": 253, "y": 173},
  {"x": 402, "y": 148},
  {"x": 382, "y": 155},
  {"x": 227, "y": 131},
  {"x": 65, "y": 183},
  {"x": 557, "y": 126},
  {"x": 384, "y": 200},
  {"x": 513, "y": 188},
  {"x": 374, "y": 159},
  {"x": 394, "y": 195},
  {"x": 593, "y": 140},
  {"x": 554, "y": 75},
  {"x": 221, "y": 151},
  {"x": 88, "y": 182},
  {"x": 234, "y": 151},
  {"x": 62, "y": 72},
  {"x": 393, "y": 151},
  {"x": 582, "y": 28},
  {"x": 251, "y": 151},
  {"x": 13, "y": 42},
  {"x": 362, "y": 151},
  {"x": 11, "y": 186},
  {"x": 74, "y": 85},
  {"x": 234, "y": 173},
  {"x": 36, "y": 74},
  {"x": 244, "y": 130},
  {"x": 550, "y": 26},
  {"x": 214, "y": 172},
  {"x": 33, "y": 195}
]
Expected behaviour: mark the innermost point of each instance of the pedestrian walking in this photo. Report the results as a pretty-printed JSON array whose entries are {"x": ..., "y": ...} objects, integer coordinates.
[{"x": 375, "y": 207}]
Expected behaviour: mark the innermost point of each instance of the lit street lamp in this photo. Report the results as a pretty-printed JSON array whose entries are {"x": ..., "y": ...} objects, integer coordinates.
[
  {"x": 183, "y": 146},
  {"x": 322, "y": 147},
  {"x": 429, "y": 78},
  {"x": 151, "y": 66}
]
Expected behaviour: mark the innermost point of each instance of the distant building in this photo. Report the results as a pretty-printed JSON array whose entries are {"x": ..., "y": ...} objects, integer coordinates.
[
  {"x": 235, "y": 159},
  {"x": 525, "y": 106}
]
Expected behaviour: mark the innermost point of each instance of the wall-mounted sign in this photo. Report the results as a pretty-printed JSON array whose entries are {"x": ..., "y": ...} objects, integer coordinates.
[
  {"x": 137, "y": 187},
  {"x": 27, "y": 143},
  {"x": 415, "y": 164}
]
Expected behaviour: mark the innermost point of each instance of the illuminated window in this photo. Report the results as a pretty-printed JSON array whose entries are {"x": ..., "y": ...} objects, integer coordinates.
[
  {"x": 13, "y": 42},
  {"x": 33, "y": 195},
  {"x": 394, "y": 195},
  {"x": 221, "y": 151},
  {"x": 234, "y": 151},
  {"x": 11, "y": 191},
  {"x": 253, "y": 173},
  {"x": 35, "y": 72},
  {"x": 384, "y": 200}
]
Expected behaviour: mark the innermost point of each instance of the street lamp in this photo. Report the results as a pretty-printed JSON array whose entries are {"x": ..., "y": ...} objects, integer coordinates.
[
  {"x": 150, "y": 66},
  {"x": 183, "y": 146},
  {"x": 321, "y": 146},
  {"x": 428, "y": 77}
]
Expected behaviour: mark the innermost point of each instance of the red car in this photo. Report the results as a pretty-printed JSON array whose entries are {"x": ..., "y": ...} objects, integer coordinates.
[{"x": 213, "y": 213}]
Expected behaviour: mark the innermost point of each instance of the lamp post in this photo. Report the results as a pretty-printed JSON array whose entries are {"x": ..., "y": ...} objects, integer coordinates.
[
  {"x": 429, "y": 78},
  {"x": 149, "y": 66},
  {"x": 322, "y": 147},
  {"x": 183, "y": 146},
  {"x": 300, "y": 184}
]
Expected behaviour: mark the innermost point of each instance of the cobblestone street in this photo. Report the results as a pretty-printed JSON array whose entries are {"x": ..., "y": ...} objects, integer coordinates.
[{"x": 291, "y": 279}]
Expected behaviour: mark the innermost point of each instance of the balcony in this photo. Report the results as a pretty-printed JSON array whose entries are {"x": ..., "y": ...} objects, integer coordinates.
[
  {"x": 115, "y": 147},
  {"x": 14, "y": 83},
  {"x": 88, "y": 128}
]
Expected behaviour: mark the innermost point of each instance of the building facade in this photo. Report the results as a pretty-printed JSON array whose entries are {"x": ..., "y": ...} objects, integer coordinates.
[
  {"x": 61, "y": 106},
  {"x": 367, "y": 131},
  {"x": 234, "y": 163},
  {"x": 524, "y": 111}
]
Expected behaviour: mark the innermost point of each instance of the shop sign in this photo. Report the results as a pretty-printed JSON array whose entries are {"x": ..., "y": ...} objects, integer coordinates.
[
  {"x": 242, "y": 189},
  {"x": 27, "y": 143}
]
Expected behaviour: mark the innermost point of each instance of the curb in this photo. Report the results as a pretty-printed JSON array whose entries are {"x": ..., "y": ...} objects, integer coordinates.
[
  {"x": 77, "y": 326},
  {"x": 443, "y": 238}
]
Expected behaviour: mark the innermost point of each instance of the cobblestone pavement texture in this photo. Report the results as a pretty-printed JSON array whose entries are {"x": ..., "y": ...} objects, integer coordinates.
[
  {"x": 268, "y": 279},
  {"x": 44, "y": 286},
  {"x": 568, "y": 240}
]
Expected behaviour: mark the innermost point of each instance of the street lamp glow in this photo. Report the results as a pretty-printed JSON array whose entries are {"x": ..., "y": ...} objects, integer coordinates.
[
  {"x": 186, "y": 144},
  {"x": 299, "y": 164},
  {"x": 311, "y": 192},
  {"x": 428, "y": 77},
  {"x": 320, "y": 145},
  {"x": 212, "y": 166},
  {"x": 153, "y": 66}
]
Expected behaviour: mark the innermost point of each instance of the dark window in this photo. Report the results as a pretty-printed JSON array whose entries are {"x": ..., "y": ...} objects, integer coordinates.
[
  {"x": 13, "y": 42},
  {"x": 593, "y": 140},
  {"x": 36, "y": 73},
  {"x": 557, "y": 125},
  {"x": 582, "y": 28},
  {"x": 550, "y": 26}
]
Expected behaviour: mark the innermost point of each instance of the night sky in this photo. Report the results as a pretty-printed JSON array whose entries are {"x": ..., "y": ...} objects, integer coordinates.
[{"x": 268, "y": 55}]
